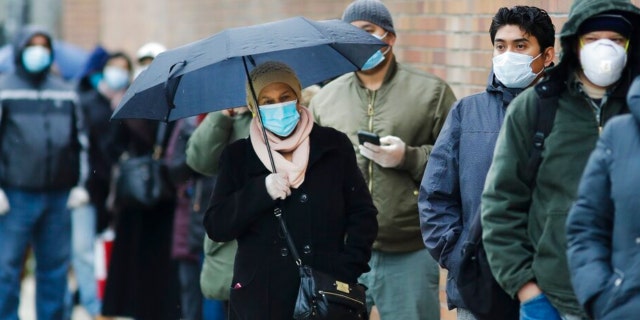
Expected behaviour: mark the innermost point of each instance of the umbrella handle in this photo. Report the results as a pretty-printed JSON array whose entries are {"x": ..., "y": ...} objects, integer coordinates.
[
  {"x": 255, "y": 100},
  {"x": 170, "y": 90}
]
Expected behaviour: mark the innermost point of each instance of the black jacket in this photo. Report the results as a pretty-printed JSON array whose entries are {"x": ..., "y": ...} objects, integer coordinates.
[
  {"x": 331, "y": 218},
  {"x": 42, "y": 136}
]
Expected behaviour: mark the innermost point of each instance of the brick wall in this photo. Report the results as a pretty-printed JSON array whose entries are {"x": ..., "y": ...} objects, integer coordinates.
[{"x": 447, "y": 37}]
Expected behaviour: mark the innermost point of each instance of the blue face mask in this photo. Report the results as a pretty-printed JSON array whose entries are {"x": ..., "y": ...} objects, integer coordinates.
[
  {"x": 36, "y": 58},
  {"x": 115, "y": 78},
  {"x": 280, "y": 118},
  {"x": 95, "y": 79},
  {"x": 377, "y": 57}
]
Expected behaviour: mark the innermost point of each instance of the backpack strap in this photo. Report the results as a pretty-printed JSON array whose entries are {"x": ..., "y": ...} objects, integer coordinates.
[{"x": 545, "y": 116}]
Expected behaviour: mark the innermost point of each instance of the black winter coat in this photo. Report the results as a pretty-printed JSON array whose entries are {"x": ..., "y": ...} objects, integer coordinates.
[{"x": 331, "y": 218}]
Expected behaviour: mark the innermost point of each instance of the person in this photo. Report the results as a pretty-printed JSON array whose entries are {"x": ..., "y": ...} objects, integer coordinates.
[
  {"x": 407, "y": 107},
  {"x": 43, "y": 170},
  {"x": 213, "y": 134},
  {"x": 145, "y": 55},
  {"x": 524, "y": 213},
  {"x": 142, "y": 279},
  {"x": 601, "y": 226},
  {"x": 523, "y": 38},
  {"x": 100, "y": 87},
  {"x": 186, "y": 253},
  {"x": 316, "y": 183}
]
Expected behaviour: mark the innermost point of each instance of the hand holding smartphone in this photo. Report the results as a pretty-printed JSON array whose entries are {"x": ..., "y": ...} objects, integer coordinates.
[{"x": 366, "y": 136}]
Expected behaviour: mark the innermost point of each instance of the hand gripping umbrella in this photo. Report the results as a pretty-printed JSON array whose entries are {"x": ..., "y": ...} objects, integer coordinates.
[{"x": 210, "y": 74}]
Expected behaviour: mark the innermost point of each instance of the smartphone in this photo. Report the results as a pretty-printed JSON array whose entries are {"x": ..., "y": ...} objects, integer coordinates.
[{"x": 366, "y": 136}]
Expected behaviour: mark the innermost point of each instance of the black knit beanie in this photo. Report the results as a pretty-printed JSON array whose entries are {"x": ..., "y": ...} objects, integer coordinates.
[{"x": 369, "y": 10}]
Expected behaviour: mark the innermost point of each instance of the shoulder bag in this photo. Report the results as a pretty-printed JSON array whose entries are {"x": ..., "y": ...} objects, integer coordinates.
[
  {"x": 142, "y": 182},
  {"x": 320, "y": 295},
  {"x": 478, "y": 289}
]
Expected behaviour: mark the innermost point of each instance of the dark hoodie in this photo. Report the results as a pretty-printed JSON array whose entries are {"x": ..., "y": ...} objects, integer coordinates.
[
  {"x": 524, "y": 226},
  {"x": 42, "y": 138}
]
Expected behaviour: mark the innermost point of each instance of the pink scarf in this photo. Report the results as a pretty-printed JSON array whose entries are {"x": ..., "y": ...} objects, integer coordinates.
[{"x": 297, "y": 142}]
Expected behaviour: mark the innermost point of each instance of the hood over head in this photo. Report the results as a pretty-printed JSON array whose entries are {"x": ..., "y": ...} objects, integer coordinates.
[
  {"x": 20, "y": 43},
  {"x": 580, "y": 12}
]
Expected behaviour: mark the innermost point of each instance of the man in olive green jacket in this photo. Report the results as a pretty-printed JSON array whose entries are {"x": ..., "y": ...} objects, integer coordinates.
[
  {"x": 523, "y": 214},
  {"x": 407, "y": 108}
]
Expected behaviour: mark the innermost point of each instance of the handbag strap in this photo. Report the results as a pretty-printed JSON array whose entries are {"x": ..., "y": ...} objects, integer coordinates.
[
  {"x": 157, "y": 146},
  {"x": 292, "y": 246}
]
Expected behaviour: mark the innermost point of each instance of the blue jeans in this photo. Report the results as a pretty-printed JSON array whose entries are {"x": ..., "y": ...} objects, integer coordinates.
[
  {"x": 83, "y": 225},
  {"x": 39, "y": 219}
]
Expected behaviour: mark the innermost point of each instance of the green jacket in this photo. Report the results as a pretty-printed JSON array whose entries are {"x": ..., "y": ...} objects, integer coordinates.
[
  {"x": 411, "y": 105},
  {"x": 211, "y": 137},
  {"x": 524, "y": 228},
  {"x": 203, "y": 154}
]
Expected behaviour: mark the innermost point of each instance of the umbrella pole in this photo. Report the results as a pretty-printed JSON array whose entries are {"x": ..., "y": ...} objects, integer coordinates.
[{"x": 255, "y": 100}]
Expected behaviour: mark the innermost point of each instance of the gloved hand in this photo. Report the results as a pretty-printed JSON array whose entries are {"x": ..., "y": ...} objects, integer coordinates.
[
  {"x": 77, "y": 197},
  {"x": 4, "y": 203},
  {"x": 389, "y": 154},
  {"x": 278, "y": 185}
]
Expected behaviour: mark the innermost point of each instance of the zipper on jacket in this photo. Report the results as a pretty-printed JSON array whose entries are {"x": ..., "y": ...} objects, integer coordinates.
[
  {"x": 598, "y": 110},
  {"x": 372, "y": 99}
]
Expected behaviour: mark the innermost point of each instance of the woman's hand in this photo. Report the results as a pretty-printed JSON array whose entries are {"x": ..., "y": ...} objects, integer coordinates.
[{"x": 278, "y": 185}]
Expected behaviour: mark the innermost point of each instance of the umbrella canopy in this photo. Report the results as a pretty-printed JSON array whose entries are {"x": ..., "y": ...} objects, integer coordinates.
[{"x": 210, "y": 74}]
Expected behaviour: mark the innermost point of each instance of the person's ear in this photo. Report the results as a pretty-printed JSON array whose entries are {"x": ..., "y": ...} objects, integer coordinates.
[
  {"x": 549, "y": 54},
  {"x": 391, "y": 39}
]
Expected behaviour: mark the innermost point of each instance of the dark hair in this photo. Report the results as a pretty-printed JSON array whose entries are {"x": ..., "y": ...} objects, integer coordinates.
[
  {"x": 120, "y": 54},
  {"x": 533, "y": 21}
]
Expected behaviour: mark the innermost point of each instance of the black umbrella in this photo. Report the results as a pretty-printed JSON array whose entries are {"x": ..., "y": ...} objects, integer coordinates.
[{"x": 210, "y": 74}]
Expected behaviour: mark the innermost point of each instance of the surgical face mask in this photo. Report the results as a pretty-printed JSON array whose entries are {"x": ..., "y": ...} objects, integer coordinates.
[
  {"x": 280, "y": 118},
  {"x": 115, "y": 78},
  {"x": 377, "y": 57},
  {"x": 95, "y": 79},
  {"x": 36, "y": 58},
  {"x": 603, "y": 61},
  {"x": 513, "y": 70}
]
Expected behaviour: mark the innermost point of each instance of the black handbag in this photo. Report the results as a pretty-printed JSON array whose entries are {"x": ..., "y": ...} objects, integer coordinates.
[
  {"x": 143, "y": 181},
  {"x": 480, "y": 292},
  {"x": 320, "y": 295}
]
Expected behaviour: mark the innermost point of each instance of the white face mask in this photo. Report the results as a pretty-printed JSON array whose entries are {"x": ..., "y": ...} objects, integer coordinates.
[
  {"x": 603, "y": 61},
  {"x": 513, "y": 70}
]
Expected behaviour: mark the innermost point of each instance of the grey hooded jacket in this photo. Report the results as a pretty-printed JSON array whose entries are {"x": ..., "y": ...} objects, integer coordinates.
[{"x": 42, "y": 136}]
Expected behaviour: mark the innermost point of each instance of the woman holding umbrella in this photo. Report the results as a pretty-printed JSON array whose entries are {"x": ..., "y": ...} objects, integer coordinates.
[{"x": 317, "y": 184}]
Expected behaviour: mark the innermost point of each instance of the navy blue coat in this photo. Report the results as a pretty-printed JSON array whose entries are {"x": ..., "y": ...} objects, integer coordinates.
[
  {"x": 603, "y": 227},
  {"x": 454, "y": 178}
]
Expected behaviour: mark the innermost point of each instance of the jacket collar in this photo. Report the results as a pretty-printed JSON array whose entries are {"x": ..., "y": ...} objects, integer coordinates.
[
  {"x": 391, "y": 72},
  {"x": 496, "y": 87}
]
